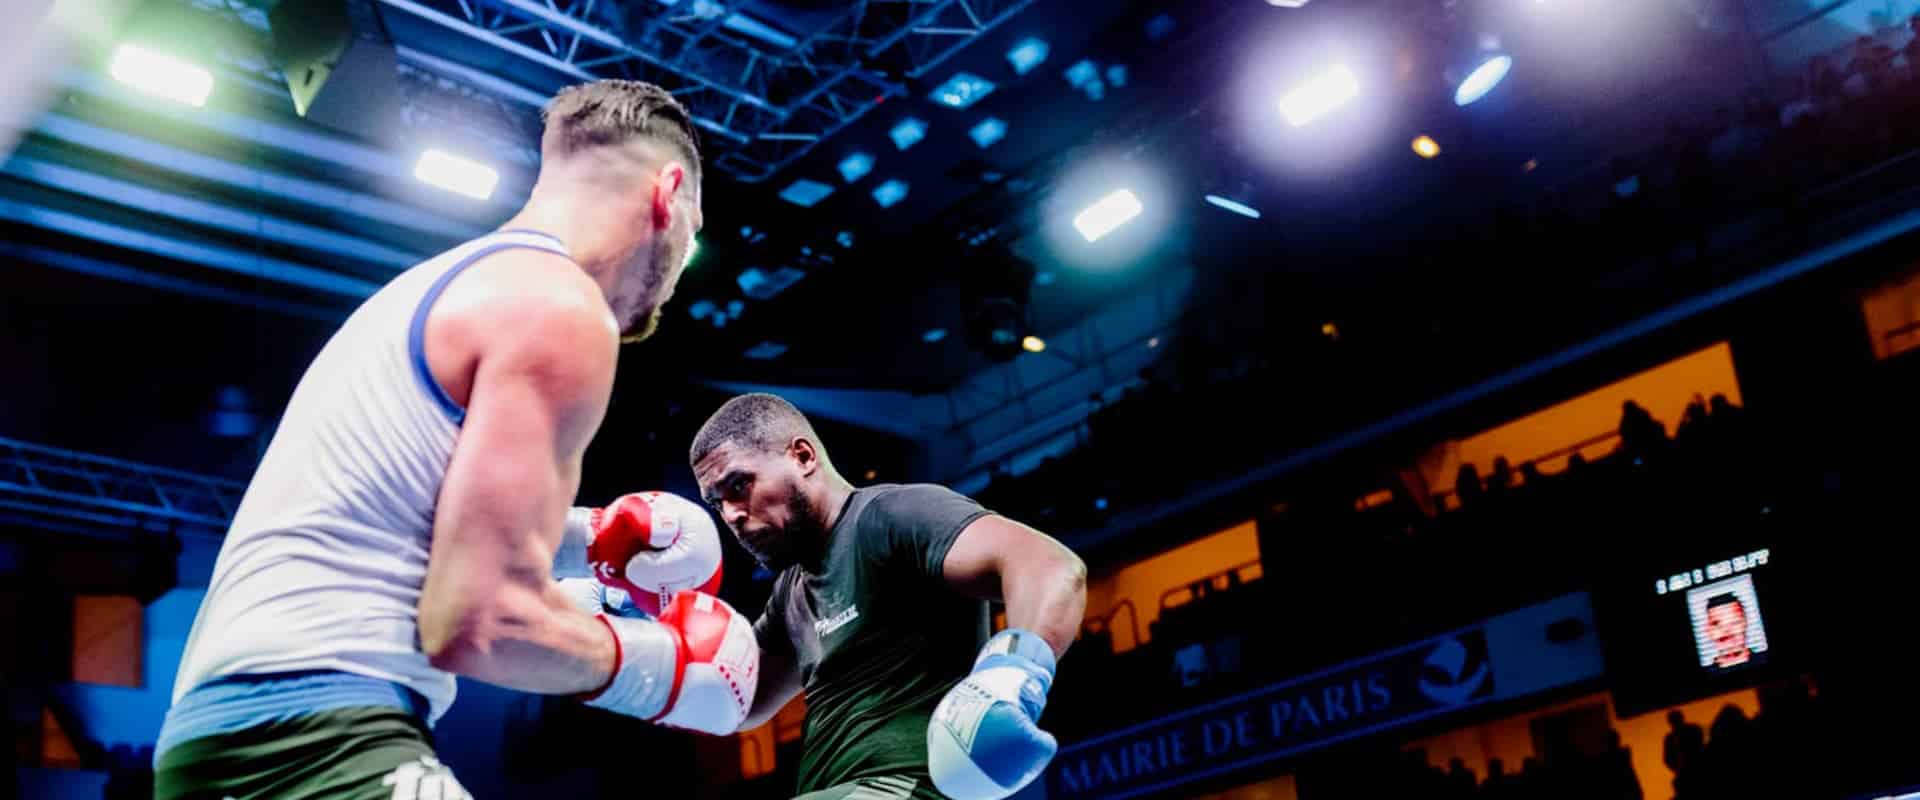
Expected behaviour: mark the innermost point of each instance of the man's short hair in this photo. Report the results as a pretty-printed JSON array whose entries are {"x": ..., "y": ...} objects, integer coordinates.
[
  {"x": 762, "y": 422},
  {"x": 1726, "y": 599},
  {"x": 609, "y": 112}
]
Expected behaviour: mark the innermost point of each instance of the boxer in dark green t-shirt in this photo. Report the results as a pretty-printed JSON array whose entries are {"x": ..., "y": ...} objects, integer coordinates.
[{"x": 879, "y": 614}]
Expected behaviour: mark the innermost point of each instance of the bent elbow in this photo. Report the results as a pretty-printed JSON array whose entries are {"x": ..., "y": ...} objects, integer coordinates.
[
  {"x": 1074, "y": 574},
  {"x": 454, "y": 640}
]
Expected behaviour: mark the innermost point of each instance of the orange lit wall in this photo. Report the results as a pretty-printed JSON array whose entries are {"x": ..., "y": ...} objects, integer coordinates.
[
  {"x": 1143, "y": 582},
  {"x": 1280, "y": 788},
  {"x": 758, "y": 746},
  {"x": 107, "y": 639},
  {"x": 1664, "y": 391},
  {"x": 1511, "y": 739},
  {"x": 1890, "y": 309}
]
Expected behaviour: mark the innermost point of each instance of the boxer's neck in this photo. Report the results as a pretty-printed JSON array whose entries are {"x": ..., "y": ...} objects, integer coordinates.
[{"x": 833, "y": 497}]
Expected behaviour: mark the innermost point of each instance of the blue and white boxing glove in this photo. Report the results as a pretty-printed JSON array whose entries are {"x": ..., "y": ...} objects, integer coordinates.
[
  {"x": 593, "y": 597},
  {"x": 984, "y": 742}
]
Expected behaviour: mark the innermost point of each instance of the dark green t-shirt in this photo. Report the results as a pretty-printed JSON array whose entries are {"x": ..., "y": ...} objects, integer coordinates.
[{"x": 877, "y": 635}]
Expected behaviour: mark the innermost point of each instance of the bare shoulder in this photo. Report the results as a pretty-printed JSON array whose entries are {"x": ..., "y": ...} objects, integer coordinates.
[{"x": 527, "y": 307}]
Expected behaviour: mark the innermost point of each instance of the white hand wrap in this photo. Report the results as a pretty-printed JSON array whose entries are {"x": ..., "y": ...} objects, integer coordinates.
[{"x": 643, "y": 668}]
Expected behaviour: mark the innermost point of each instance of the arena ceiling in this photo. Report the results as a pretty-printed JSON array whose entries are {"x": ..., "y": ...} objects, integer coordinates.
[{"x": 225, "y": 240}]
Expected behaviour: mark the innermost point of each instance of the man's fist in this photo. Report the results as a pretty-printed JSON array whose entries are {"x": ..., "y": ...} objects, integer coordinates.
[
  {"x": 652, "y": 545},
  {"x": 983, "y": 742},
  {"x": 719, "y": 665},
  {"x": 696, "y": 667}
]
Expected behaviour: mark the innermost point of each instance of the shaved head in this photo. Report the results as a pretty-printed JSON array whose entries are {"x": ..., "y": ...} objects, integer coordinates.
[{"x": 758, "y": 423}]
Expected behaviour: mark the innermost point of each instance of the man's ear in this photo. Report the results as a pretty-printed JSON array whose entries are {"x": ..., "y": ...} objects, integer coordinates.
[
  {"x": 805, "y": 455},
  {"x": 666, "y": 188}
]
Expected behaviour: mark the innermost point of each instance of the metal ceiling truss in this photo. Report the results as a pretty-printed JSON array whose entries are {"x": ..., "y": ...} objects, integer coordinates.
[
  {"x": 768, "y": 105},
  {"x": 71, "y": 489}
]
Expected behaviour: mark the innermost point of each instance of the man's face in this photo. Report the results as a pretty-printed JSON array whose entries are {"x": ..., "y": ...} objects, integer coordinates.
[
  {"x": 761, "y": 498},
  {"x": 1727, "y": 627}
]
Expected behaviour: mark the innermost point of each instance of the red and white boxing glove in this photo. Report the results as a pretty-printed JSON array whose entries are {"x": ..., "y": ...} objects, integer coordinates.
[
  {"x": 696, "y": 667},
  {"x": 647, "y": 544}
]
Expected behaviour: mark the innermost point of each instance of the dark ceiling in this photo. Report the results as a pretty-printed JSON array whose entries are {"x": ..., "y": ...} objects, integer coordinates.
[{"x": 214, "y": 252}]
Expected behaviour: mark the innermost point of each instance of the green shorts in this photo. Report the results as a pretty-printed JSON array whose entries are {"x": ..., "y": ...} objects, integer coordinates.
[
  {"x": 889, "y": 787},
  {"x": 350, "y": 753}
]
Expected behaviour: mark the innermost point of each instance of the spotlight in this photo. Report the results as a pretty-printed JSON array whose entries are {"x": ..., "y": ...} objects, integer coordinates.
[
  {"x": 1426, "y": 147},
  {"x": 989, "y": 131},
  {"x": 856, "y": 166},
  {"x": 1027, "y": 54},
  {"x": 1108, "y": 214},
  {"x": 908, "y": 132},
  {"x": 962, "y": 90},
  {"x": 456, "y": 174},
  {"x": 889, "y": 193},
  {"x": 1234, "y": 206},
  {"x": 1482, "y": 80},
  {"x": 161, "y": 75},
  {"x": 1033, "y": 344},
  {"x": 1315, "y": 98},
  {"x": 805, "y": 193}
]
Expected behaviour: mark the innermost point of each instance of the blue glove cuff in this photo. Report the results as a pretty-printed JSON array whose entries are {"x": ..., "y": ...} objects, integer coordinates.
[{"x": 1021, "y": 644}]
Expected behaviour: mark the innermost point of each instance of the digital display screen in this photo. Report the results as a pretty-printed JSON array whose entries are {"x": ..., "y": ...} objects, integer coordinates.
[{"x": 1696, "y": 628}]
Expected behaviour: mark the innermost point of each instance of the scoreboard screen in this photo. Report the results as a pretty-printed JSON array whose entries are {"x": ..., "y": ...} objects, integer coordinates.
[{"x": 1697, "y": 628}]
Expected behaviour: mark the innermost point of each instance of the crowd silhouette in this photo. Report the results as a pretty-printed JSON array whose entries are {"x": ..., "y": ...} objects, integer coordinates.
[{"x": 1765, "y": 755}]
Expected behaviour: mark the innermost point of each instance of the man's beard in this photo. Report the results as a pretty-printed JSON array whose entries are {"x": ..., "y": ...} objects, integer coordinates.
[
  {"x": 643, "y": 328},
  {"x": 799, "y": 542},
  {"x": 649, "y": 286}
]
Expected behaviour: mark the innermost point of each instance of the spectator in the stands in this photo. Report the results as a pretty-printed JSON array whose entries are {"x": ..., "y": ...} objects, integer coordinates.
[
  {"x": 1530, "y": 474},
  {"x": 1684, "y": 743},
  {"x": 1467, "y": 487},
  {"x": 1614, "y": 770},
  {"x": 1641, "y": 436},
  {"x": 1693, "y": 423},
  {"x": 1500, "y": 478}
]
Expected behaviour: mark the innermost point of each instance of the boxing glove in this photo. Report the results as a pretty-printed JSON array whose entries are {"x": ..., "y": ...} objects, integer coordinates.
[
  {"x": 647, "y": 544},
  {"x": 984, "y": 741},
  {"x": 594, "y": 597},
  {"x": 695, "y": 668}
]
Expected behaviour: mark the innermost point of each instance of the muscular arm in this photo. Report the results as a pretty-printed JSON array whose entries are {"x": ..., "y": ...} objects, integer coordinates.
[
  {"x": 490, "y": 609},
  {"x": 1042, "y": 583}
]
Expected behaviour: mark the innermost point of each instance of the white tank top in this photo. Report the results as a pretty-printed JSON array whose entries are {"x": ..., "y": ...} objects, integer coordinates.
[{"x": 323, "y": 566}]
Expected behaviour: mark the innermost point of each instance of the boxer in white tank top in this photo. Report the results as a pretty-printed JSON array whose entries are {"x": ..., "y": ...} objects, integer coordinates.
[{"x": 402, "y": 526}]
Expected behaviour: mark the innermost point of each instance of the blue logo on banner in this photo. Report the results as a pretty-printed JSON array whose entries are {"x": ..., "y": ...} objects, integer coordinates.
[{"x": 1455, "y": 673}]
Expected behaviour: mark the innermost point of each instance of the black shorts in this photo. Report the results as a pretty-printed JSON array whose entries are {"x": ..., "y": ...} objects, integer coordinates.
[{"x": 350, "y": 753}]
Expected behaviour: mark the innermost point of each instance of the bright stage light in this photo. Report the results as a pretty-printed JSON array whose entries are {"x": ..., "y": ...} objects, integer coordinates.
[
  {"x": 1033, "y": 344},
  {"x": 1482, "y": 80},
  {"x": 1027, "y": 54},
  {"x": 856, "y": 166},
  {"x": 890, "y": 193},
  {"x": 1313, "y": 99},
  {"x": 1108, "y": 214},
  {"x": 161, "y": 75},
  {"x": 1426, "y": 147},
  {"x": 456, "y": 174},
  {"x": 1234, "y": 206}
]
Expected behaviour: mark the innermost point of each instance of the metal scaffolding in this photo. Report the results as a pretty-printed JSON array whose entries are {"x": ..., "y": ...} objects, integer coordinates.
[
  {"x": 64, "y": 490},
  {"x": 763, "y": 102}
]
